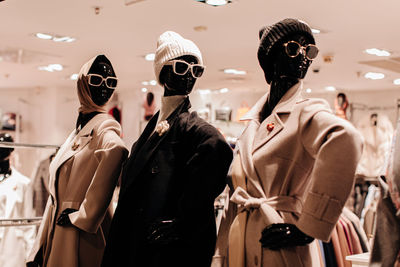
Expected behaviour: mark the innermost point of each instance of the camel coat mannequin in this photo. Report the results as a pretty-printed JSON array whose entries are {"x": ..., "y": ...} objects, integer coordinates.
[{"x": 83, "y": 176}]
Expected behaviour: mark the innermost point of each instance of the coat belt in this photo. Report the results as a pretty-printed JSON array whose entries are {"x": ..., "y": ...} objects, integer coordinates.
[
  {"x": 268, "y": 207},
  {"x": 278, "y": 203}
]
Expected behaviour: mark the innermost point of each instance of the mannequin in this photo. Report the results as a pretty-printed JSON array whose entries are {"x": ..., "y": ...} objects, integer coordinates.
[
  {"x": 176, "y": 169},
  {"x": 5, "y": 168},
  {"x": 287, "y": 72},
  {"x": 289, "y": 178},
  {"x": 341, "y": 105},
  {"x": 83, "y": 176},
  {"x": 100, "y": 92}
]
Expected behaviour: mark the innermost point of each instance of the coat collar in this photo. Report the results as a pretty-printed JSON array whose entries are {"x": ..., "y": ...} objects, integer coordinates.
[
  {"x": 285, "y": 105},
  {"x": 147, "y": 144},
  {"x": 75, "y": 142},
  {"x": 256, "y": 134}
]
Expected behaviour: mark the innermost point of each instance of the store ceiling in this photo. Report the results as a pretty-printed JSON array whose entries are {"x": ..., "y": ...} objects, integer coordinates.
[{"x": 228, "y": 38}]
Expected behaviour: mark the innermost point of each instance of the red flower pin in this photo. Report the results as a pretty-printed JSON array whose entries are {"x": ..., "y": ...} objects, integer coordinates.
[{"x": 270, "y": 126}]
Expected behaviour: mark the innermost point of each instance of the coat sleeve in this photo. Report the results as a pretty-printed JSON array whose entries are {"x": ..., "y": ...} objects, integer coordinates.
[
  {"x": 110, "y": 155},
  {"x": 206, "y": 170},
  {"x": 336, "y": 147}
]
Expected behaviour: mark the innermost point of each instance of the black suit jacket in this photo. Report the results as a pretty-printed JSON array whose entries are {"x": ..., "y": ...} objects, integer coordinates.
[{"x": 173, "y": 176}]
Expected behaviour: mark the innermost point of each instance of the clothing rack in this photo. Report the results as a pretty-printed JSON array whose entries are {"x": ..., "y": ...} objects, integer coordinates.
[
  {"x": 20, "y": 222},
  {"x": 25, "y": 145}
]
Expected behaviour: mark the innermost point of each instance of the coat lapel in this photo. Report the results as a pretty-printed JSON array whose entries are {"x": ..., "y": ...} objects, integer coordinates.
[
  {"x": 257, "y": 135},
  {"x": 74, "y": 143},
  {"x": 147, "y": 146}
]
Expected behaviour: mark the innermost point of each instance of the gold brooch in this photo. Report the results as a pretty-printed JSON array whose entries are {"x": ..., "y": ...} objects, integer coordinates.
[
  {"x": 162, "y": 127},
  {"x": 75, "y": 146}
]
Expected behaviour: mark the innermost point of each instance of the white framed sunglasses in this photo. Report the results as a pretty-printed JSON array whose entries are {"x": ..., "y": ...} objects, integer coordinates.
[
  {"x": 293, "y": 49},
  {"x": 97, "y": 80},
  {"x": 181, "y": 67}
]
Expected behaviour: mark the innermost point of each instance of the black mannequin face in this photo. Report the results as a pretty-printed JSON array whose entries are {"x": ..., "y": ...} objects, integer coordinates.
[
  {"x": 101, "y": 94},
  {"x": 291, "y": 67},
  {"x": 175, "y": 84},
  {"x": 5, "y": 152}
]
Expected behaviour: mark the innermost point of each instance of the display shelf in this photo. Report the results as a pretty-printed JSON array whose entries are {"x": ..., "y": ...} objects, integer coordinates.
[{"x": 358, "y": 260}]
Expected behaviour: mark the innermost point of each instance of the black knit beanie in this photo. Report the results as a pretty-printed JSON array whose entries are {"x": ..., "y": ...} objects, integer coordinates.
[{"x": 270, "y": 35}]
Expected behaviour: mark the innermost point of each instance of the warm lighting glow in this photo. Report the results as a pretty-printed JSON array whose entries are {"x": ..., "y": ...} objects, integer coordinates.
[
  {"x": 150, "y": 57},
  {"x": 374, "y": 75},
  {"x": 216, "y": 2},
  {"x": 144, "y": 90},
  {"x": 52, "y": 67},
  {"x": 224, "y": 90},
  {"x": 315, "y": 31},
  {"x": 308, "y": 90},
  {"x": 330, "y": 88},
  {"x": 396, "y": 82},
  {"x": 44, "y": 36},
  {"x": 74, "y": 77},
  {"x": 235, "y": 72},
  {"x": 204, "y": 91},
  {"x": 377, "y": 52}
]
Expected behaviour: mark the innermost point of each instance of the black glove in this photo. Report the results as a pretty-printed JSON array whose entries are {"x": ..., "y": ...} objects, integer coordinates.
[
  {"x": 64, "y": 220},
  {"x": 282, "y": 235},
  {"x": 164, "y": 232}
]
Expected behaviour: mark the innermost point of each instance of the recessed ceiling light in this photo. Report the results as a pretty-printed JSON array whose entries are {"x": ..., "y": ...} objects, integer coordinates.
[
  {"x": 65, "y": 39},
  {"x": 330, "y": 88},
  {"x": 153, "y": 82},
  {"x": 51, "y": 67},
  {"x": 55, "y": 38},
  {"x": 204, "y": 91},
  {"x": 44, "y": 36},
  {"x": 224, "y": 90},
  {"x": 150, "y": 57},
  {"x": 74, "y": 76},
  {"x": 308, "y": 90},
  {"x": 315, "y": 31},
  {"x": 377, "y": 52},
  {"x": 144, "y": 90},
  {"x": 374, "y": 75},
  {"x": 396, "y": 82},
  {"x": 235, "y": 72},
  {"x": 215, "y": 2},
  {"x": 145, "y": 83}
]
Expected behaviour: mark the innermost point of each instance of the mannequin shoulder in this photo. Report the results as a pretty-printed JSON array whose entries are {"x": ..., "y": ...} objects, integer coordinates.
[{"x": 108, "y": 124}]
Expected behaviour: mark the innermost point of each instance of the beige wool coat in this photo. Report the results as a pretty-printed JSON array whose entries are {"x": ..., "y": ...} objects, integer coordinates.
[
  {"x": 83, "y": 176},
  {"x": 297, "y": 167}
]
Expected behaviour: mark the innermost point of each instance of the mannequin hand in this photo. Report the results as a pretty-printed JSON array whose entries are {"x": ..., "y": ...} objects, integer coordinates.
[
  {"x": 64, "y": 220},
  {"x": 164, "y": 232},
  {"x": 282, "y": 235}
]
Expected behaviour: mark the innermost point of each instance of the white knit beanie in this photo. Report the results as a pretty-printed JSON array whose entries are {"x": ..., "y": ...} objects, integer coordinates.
[{"x": 171, "y": 45}]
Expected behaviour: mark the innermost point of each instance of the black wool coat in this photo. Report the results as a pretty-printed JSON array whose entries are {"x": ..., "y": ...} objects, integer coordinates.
[{"x": 175, "y": 176}]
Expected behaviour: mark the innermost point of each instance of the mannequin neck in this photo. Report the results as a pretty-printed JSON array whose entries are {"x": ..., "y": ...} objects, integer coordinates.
[
  {"x": 5, "y": 169},
  {"x": 278, "y": 89},
  {"x": 83, "y": 119}
]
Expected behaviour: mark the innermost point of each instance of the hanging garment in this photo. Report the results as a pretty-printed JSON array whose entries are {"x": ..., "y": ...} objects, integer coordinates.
[
  {"x": 15, "y": 203},
  {"x": 377, "y": 140},
  {"x": 299, "y": 165},
  {"x": 83, "y": 176},
  {"x": 386, "y": 246},
  {"x": 40, "y": 184}
]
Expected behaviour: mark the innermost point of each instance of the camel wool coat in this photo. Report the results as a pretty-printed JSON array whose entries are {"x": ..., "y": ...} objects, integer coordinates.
[
  {"x": 83, "y": 176},
  {"x": 297, "y": 167}
]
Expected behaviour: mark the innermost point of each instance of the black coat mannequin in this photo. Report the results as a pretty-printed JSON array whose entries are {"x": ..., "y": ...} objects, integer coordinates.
[
  {"x": 100, "y": 95},
  {"x": 283, "y": 72},
  {"x": 5, "y": 168},
  {"x": 174, "y": 84}
]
